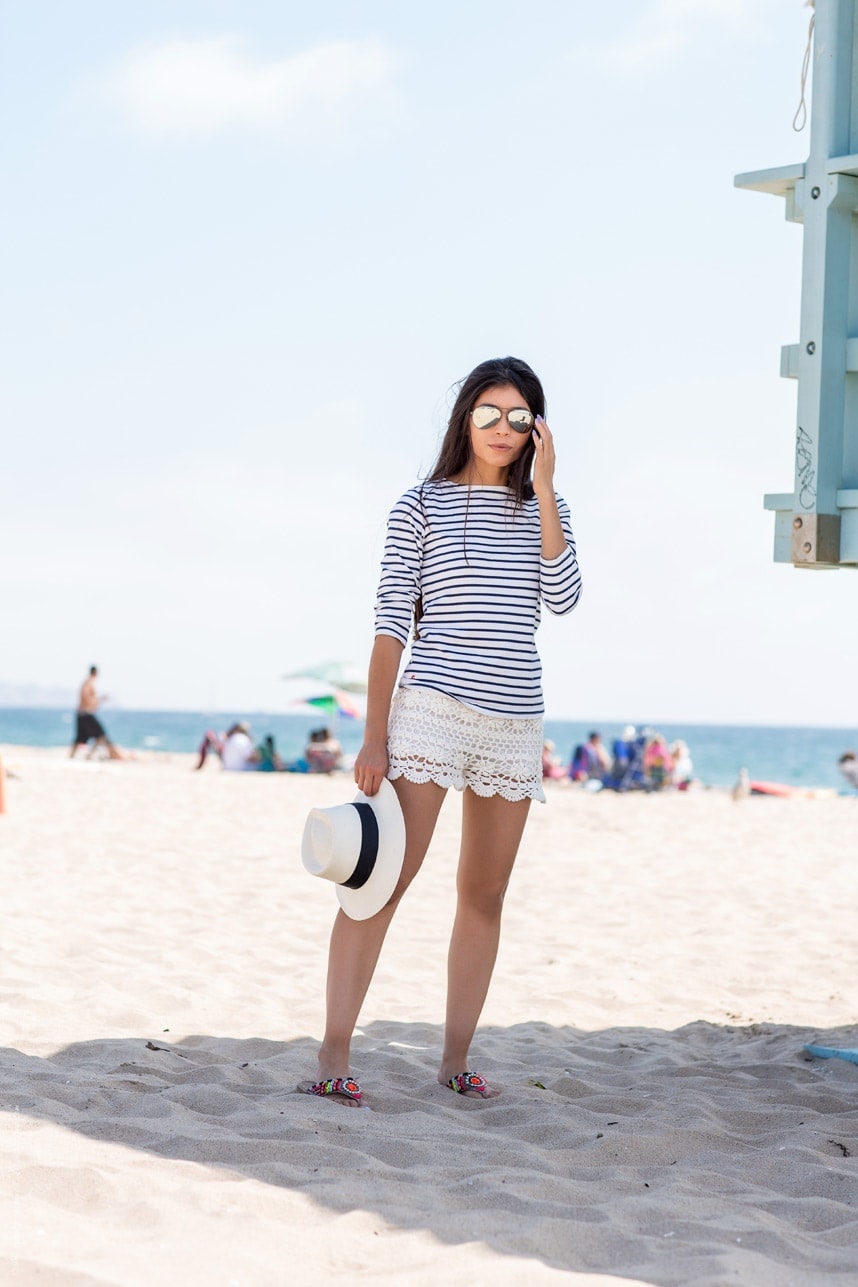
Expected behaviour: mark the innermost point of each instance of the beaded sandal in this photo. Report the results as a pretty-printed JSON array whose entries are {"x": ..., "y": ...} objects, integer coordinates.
[
  {"x": 348, "y": 1087},
  {"x": 468, "y": 1081}
]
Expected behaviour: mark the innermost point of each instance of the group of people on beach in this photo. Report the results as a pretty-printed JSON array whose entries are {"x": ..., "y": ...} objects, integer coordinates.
[
  {"x": 638, "y": 761},
  {"x": 238, "y": 754},
  {"x": 234, "y": 748}
]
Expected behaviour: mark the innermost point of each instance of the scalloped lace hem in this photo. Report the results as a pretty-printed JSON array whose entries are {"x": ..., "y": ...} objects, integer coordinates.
[{"x": 488, "y": 785}]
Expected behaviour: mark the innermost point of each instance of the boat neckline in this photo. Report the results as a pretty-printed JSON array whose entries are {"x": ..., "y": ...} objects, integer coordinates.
[{"x": 481, "y": 487}]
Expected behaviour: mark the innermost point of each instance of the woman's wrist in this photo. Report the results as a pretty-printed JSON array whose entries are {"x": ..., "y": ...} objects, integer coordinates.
[{"x": 372, "y": 737}]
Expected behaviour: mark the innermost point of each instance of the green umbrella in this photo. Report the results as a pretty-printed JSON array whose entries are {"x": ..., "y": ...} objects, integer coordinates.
[
  {"x": 336, "y": 703},
  {"x": 339, "y": 674}
]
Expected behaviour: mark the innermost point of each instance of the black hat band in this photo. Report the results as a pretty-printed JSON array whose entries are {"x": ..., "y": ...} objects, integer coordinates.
[{"x": 368, "y": 847}]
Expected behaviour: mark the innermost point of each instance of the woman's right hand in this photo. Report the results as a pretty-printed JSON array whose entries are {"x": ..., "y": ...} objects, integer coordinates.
[{"x": 371, "y": 765}]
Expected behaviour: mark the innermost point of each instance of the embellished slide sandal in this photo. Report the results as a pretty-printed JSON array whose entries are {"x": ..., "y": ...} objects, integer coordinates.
[
  {"x": 348, "y": 1087},
  {"x": 466, "y": 1082}
]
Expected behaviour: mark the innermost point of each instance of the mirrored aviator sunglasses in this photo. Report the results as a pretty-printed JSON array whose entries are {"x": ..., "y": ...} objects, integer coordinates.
[{"x": 486, "y": 417}]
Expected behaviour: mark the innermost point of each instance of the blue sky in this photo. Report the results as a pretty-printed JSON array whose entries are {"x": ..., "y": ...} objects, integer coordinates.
[{"x": 248, "y": 248}]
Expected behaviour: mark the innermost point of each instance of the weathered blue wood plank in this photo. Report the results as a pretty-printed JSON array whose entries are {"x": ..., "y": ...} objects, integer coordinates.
[
  {"x": 778, "y": 181},
  {"x": 816, "y": 526}
]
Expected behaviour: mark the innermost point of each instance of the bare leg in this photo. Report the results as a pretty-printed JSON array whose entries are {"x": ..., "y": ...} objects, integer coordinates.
[
  {"x": 491, "y": 833},
  {"x": 208, "y": 743},
  {"x": 355, "y": 945}
]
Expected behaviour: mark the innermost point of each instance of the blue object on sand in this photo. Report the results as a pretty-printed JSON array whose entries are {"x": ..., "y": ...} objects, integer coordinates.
[{"x": 829, "y": 1052}]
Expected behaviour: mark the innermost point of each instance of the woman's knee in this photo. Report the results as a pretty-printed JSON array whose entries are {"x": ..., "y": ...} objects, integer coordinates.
[
  {"x": 409, "y": 871},
  {"x": 484, "y": 899},
  {"x": 396, "y": 897}
]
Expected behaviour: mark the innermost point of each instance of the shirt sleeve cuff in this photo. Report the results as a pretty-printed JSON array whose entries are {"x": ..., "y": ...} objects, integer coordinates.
[
  {"x": 555, "y": 562},
  {"x": 393, "y": 632}
]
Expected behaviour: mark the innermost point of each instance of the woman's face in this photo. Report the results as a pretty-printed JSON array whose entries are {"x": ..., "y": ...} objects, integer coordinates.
[{"x": 495, "y": 449}]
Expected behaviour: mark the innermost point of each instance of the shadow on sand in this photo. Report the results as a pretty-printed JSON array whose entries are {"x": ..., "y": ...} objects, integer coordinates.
[{"x": 700, "y": 1155}]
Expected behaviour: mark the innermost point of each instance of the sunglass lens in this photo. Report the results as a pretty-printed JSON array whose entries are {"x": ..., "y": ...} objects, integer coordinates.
[
  {"x": 485, "y": 416},
  {"x": 521, "y": 421}
]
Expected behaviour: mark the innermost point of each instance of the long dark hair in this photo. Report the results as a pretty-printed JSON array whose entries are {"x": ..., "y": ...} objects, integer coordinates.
[{"x": 455, "y": 453}]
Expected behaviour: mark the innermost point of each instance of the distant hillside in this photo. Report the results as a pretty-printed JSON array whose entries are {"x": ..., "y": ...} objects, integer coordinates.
[{"x": 36, "y": 695}]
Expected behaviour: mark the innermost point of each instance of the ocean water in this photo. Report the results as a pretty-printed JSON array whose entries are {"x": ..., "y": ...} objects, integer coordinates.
[{"x": 794, "y": 756}]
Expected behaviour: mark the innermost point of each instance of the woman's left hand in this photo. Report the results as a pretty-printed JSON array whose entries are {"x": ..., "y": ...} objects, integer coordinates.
[{"x": 543, "y": 460}]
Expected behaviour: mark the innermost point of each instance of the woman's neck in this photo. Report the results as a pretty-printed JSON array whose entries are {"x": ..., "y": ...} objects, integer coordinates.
[{"x": 480, "y": 475}]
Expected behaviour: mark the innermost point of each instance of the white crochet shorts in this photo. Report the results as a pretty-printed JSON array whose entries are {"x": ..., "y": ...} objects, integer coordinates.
[{"x": 433, "y": 738}]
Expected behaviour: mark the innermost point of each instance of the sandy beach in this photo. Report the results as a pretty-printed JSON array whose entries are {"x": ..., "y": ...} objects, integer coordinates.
[{"x": 664, "y": 958}]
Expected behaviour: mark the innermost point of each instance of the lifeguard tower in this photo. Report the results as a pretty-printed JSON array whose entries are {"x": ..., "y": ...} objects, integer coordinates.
[{"x": 816, "y": 525}]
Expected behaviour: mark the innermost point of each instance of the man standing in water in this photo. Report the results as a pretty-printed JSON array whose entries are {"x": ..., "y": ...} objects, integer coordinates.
[{"x": 89, "y": 727}]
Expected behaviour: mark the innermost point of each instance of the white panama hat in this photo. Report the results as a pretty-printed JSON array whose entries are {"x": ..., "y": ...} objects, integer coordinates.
[{"x": 359, "y": 847}]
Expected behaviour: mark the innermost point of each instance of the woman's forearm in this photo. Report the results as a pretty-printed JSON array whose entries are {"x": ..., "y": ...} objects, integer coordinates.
[
  {"x": 383, "y": 670},
  {"x": 553, "y": 537}
]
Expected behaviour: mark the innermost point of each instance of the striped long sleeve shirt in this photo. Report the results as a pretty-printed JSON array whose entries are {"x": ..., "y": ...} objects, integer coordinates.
[{"x": 475, "y": 562}]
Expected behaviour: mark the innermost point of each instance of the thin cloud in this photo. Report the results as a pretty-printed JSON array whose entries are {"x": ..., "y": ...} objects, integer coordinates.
[
  {"x": 198, "y": 87},
  {"x": 667, "y": 26},
  {"x": 678, "y": 10}
]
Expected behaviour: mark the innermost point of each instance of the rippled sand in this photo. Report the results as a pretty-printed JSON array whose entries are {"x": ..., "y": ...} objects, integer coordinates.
[{"x": 664, "y": 958}]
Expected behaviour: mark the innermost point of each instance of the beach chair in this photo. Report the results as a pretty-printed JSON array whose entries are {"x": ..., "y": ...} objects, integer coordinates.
[{"x": 627, "y": 767}]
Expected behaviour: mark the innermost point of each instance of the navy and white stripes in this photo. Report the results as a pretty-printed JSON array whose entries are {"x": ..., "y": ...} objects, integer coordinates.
[{"x": 475, "y": 561}]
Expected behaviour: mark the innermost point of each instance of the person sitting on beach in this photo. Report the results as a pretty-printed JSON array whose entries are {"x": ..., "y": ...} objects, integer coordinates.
[
  {"x": 848, "y": 765},
  {"x": 552, "y": 766},
  {"x": 579, "y": 764},
  {"x": 600, "y": 760},
  {"x": 623, "y": 748},
  {"x": 241, "y": 753},
  {"x": 590, "y": 760},
  {"x": 238, "y": 753},
  {"x": 269, "y": 760},
  {"x": 683, "y": 768},
  {"x": 657, "y": 762},
  {"x": 323, "y": 752},
  {"x": 88, "y": 728}
]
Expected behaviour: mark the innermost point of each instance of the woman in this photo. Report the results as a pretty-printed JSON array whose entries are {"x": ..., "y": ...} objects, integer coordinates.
[
  {"x": 323, "y": 752},
  {"x": 469, "y": 554}
]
